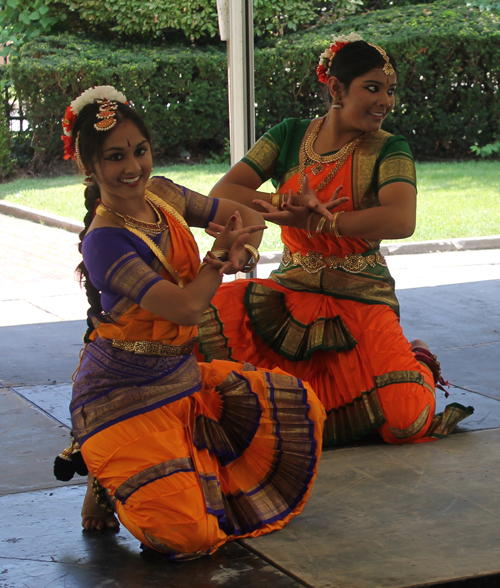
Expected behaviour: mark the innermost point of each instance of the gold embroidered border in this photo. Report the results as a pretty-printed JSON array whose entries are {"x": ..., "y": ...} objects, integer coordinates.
[
  {"x": 397, "y": 169},
  {"x": 314, "y": 261},
  {"x": 399, "y": 377},
  {"x": 444, "y": 422},
  {"x": 290, "y": 338},
  {"x": 161, "y": 470},
  {"x": 353, "y": 420},
  {"x": 414, "y": 428},
  {"x": 263, "y": 155}
]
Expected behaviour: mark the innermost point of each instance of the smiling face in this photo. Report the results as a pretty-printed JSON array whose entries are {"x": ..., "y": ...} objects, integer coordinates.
[
  {"x": 123, "y": 167},
  {"x": 367, "y": 102}
]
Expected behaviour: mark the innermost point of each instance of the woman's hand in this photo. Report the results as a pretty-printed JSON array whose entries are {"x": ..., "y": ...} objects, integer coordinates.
[
  {"x": 232, "y": 236},
  {"x": 309, "y": 199}
]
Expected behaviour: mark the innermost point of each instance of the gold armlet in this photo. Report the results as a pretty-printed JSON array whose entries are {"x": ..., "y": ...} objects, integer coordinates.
[{"x": 255, "y": 258}]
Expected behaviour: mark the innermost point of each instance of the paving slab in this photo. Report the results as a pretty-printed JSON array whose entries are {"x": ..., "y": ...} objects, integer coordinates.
[
  {"x": 42, "y": 544},
  {"x": 29, "y": 442},
  {"x": 397, "y": 516},
  {"x": 40, "y": 353}
]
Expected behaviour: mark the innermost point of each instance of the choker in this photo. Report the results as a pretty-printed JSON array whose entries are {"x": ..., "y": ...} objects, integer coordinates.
[{"x": 149, "y": 228}]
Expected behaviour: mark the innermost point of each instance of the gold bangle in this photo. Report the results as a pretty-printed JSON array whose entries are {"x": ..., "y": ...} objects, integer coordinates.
[
  {"x": 308, "y": 226},
  {"x": 321, "y": 224},
  {"x": 201, "y": 267},
  {"x": 275, "y": 199},
  {"x": 255, "y": 255},
  {"x": 334, "y": 226},
  {"x": 222, "y": 254}
]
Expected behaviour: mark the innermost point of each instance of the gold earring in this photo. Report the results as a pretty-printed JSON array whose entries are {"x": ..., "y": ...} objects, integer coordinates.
[{"x": 88, "y": 181}]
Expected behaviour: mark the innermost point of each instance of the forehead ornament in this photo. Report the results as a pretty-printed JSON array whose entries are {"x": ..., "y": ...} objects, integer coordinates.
[{"x": 388, "y": 69}]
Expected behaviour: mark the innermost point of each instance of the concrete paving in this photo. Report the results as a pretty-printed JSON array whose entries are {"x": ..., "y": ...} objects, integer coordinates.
[{"x": 379, "y": 515}]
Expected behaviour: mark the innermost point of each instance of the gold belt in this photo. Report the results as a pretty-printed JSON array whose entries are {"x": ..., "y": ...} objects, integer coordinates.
[
  {"x": 157, "y": 349},
  {"x": 314, "y": 261}
]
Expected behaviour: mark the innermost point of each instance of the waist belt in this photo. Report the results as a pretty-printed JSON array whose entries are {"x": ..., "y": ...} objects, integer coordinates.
[
  {"x": 314, "y": 261},
  {"x": 156, "y": 349}
]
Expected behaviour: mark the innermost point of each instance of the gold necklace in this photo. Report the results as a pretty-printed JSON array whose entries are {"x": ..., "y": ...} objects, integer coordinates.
[
  {"x": 307, "y": 156},
  {"x": 149, "y": 228}
]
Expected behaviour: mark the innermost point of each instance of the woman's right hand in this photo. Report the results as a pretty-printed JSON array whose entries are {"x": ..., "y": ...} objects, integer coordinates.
[
  {"x": 310, "y": 200},
  {"x": 232, "y": 236}
]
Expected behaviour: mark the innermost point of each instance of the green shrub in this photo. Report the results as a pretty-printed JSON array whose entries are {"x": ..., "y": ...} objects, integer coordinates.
[
  {"x": 6, "y": 163},
  {"x": 449, "y": 70}
]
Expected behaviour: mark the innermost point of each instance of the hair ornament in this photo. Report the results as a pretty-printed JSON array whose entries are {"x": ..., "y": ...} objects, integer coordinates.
[
  {"x": 107, "y": 97},
  {"x": 326, "y": 58},
  {"x": 388, "y": 69}
]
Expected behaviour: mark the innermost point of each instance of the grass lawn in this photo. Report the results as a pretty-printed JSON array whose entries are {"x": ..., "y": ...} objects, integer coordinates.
[{"x": 458, "y": 199}]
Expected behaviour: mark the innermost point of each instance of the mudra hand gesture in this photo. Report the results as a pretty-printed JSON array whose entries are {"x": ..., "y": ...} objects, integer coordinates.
[
  {"x": 296, "y": 215},
  {"x": 231, "y": 237}
]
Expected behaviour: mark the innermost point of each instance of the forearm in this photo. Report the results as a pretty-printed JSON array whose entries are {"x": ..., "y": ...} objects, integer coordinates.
[
  {"x": 373, "y": 224},
  {"x": 183, "y": 306},
  {"x": 240, "y": 194}
]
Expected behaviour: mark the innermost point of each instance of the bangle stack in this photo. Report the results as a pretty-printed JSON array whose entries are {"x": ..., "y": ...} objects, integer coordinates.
[
  {"x": 319, "y": 226},
  {"x": 255, "y": 258}
]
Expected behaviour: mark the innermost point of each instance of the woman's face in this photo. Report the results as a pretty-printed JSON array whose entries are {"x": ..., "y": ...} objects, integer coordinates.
[
  {"x": 368, "y": 100},
  {"x": 124, "y": 165}
]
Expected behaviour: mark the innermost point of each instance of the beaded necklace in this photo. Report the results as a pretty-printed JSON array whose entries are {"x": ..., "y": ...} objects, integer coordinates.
[{"x": 307, "y": 156}]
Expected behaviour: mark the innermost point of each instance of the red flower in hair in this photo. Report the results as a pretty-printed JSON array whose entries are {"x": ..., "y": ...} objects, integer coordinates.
[{"x": 69, "y": 148}]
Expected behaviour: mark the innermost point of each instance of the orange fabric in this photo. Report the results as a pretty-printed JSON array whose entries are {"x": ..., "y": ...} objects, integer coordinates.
[
  {"x": 172, "y": 510},
  {"x": 337, "y": 378},
  {"x": 298, "y": 240},
  {"x": 137, "y": 324}
]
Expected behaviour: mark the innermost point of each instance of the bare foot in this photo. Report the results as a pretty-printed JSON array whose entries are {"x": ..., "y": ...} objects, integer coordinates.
[
  {"x": 419, "y": 343},
  {"x": 95, "y": 517}
]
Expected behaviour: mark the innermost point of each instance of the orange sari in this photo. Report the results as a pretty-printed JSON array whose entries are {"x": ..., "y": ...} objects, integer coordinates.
[
  {"x": 329, "y": 315},
  {"x": 191, "y": 455}
]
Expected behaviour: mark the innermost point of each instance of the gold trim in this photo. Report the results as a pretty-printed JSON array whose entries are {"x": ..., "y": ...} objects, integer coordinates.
[
  {"x": 314, "y": 261},
  {"x": 414, "y": 428},
  {"x": 156, "y": 349}
]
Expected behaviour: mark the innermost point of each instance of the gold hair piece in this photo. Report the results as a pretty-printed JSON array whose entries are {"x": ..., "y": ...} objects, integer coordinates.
[
  {"x": 88, "y": 181},
  {"x": 388, "y": 69},
  {"x": 106, "y": 114}
]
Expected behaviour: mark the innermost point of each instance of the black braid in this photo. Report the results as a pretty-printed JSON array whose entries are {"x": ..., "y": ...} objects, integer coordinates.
[{"x": 92, "y": 195}]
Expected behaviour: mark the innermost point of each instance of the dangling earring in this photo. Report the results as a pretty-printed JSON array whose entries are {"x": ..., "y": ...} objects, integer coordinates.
[
  {"x": 337, "y": 103},
  {"x": 88, "y": 181}
]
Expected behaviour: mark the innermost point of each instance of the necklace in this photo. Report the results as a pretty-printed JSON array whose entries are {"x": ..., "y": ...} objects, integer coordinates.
[
  {"x": 149, "y": 228},
  {"x": 307, "y": 156}
]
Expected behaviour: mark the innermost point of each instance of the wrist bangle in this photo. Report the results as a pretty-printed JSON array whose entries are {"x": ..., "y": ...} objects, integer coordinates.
[
  {"x": 201, "y": 267},
  {"x": 275, "y": 199},
  {"x": 255, "y": 255},
  {"x": 308, "y": 226},
  {"x": 321, "y": 224},
  {"x": 222, "y": 254},
  {"x": 334, "y": 226}
]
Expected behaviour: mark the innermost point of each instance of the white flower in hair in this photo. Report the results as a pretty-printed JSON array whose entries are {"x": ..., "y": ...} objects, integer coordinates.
[
  {"x": 97, "y": 93},
  {"x": 350, "y": 38}
]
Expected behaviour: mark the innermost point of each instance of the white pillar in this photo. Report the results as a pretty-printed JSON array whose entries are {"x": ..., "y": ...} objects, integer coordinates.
[{"x": 236, "y": 27}]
